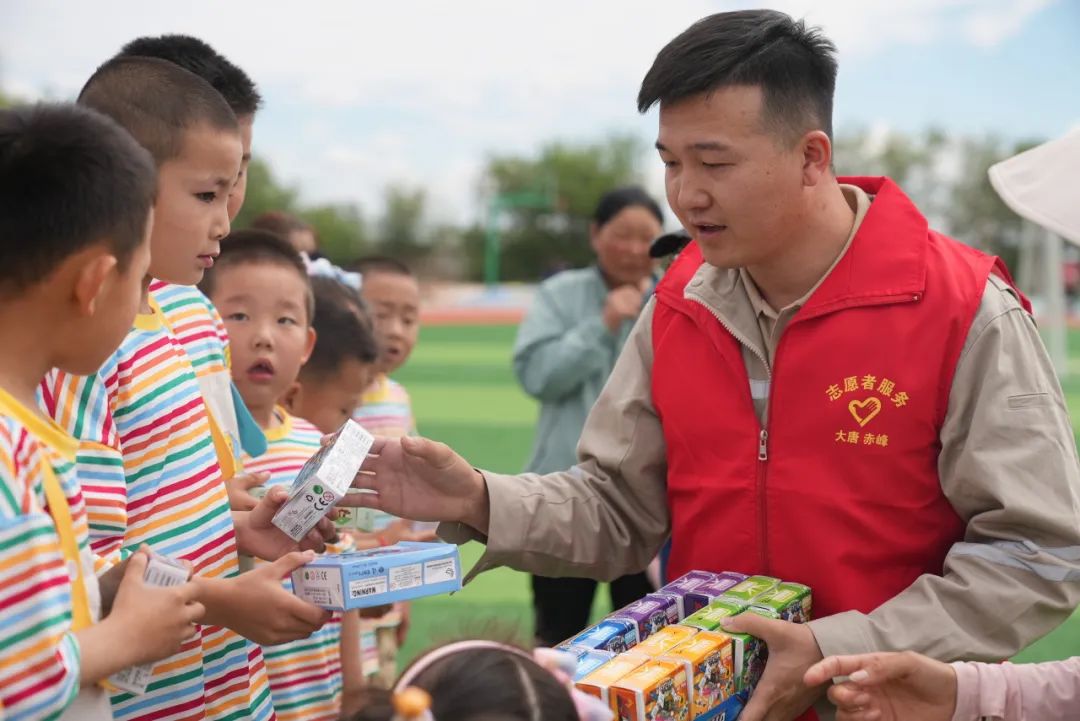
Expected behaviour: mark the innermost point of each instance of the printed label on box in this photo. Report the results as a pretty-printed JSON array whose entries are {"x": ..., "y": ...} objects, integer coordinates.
[
  {"x": 442, "y": 570},
  {"x": 406, "y": 577},
  {"x": 367, "y": 587},
  {"x": 325, "y": 586}
]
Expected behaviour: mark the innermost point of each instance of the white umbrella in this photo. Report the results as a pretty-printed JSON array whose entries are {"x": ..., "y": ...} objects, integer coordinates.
[{"x": 1042, "y": 185}]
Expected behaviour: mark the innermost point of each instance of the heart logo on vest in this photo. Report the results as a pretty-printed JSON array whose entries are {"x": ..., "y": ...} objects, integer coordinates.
[{"x": 864, "y": 411}]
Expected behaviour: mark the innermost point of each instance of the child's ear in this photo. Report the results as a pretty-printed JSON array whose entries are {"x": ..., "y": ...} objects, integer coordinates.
[
  {"x": 91, "y": 280},
  {"x": 292, "y": 398},
  {"x": 309, "y": 345}
]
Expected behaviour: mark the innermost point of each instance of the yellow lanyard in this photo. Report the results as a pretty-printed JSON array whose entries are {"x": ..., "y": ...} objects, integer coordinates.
[
  {"x": 59, "y": 509},
  {"x": 223, "y": 448},
  {"x": 61, "y": 515}
]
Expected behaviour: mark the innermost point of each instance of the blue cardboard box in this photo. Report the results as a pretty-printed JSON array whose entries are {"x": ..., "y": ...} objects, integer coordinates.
[{"x": 359, "y": 579}]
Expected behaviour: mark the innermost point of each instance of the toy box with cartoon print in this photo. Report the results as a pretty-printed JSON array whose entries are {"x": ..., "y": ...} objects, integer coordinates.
[
  {"x": 649, "y": 615},
  {"x": 751, "y": 588},
  {"x": 656, "y": 691},
  {"x": 683, "y": 585},
  {"x": 711, "y": 668},
  {"x": 599, "y": 682},
  {"x": 710, "y": 617},
  {"x": 793, "y": 601},
  {"x": 360, "y": 579},
  {"x": 750, "y": 654},
  {"x": 664, "y": 640},
  {"x": 707, "y": 592},
  {"x": 611, "y": 634}
]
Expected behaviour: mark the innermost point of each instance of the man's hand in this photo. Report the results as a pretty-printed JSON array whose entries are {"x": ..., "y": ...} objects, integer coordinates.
[
  {"x": 888, "y": 687},
  {"x": 623, "y": 303},
  {"x": 239, "y": 490},
  {"x": 781, "y": 695},
  {"x": 257, "y": 606},
  {"x": 257, "y": 536},
  {"x": 421, "y": 480}
]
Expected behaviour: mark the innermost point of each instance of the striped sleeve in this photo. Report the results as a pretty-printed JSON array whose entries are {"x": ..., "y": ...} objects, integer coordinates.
[
  {"x": 39, "y": 656},
  {"x": 82, "y": 405}
]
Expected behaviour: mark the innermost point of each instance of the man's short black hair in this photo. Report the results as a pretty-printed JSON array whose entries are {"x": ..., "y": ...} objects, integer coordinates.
[
  {"x": 257, "y": 247},
  {"x": 69, "y": 178},
  {"x": 794, "y": 66},
  {"x": 157, "y": 102},
  {"x": 195, "y": 56},
  {"x": 380, "y": 264},
  {"x": 339, "y": 334}
]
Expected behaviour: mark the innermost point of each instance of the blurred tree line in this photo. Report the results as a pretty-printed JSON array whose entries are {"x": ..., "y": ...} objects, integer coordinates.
[{"x": 945, "y": 175}]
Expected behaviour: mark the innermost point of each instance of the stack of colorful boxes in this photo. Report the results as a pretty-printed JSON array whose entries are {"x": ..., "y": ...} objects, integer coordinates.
[{"x": 667, "y": 657}]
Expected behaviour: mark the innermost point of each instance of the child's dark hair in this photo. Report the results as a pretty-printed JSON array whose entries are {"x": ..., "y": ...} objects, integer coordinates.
[
  {"x": 157, "y": 102},
  {"x": 615, "y": 201},
  {"x": 380, "y": 264},
  {"x": 69, "y": 178},
  {"x": 795, "y": 67},
  {"x": 257, "y": 247},
  {"x": 340, "y": 334},
  {"x": 195, "y": 56},
  {"x": 483, "y": 684},
  {"x": 279, "y": 222},
  {"x": 344, "y": 296}
]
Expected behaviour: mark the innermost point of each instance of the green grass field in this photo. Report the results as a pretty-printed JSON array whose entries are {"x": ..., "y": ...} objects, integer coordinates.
[{"x": 464, "y": 394}]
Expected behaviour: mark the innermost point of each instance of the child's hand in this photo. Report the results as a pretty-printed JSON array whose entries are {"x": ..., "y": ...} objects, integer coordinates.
[
  {"x": 257, "y": 606},
  {"x": 256, "y": 535},
  {"x": 239, "y": 487},
  {"x": 151, "y": 622}
]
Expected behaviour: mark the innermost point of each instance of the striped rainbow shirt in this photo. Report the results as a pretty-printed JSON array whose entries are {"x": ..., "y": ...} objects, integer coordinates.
[
  {"x": 305, "y": 675},
  {"x": 39, "y": 656},
  {"x": 151, "y": 476},
  {"x": 385, "y": 409}
]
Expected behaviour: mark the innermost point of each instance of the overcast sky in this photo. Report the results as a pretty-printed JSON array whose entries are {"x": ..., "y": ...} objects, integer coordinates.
[{"x": 361, "y": 94}]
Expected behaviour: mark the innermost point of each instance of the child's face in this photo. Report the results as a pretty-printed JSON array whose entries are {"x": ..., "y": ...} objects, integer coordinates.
[
  {"x": 328, "y": 402},
  {"x": 103, "y": 326},
  {"x": 264, "y": 306},
  {"x": 395, "y": 309},
  {"x": 239, "y": 190},
  {"x": 191, "y": 213}
]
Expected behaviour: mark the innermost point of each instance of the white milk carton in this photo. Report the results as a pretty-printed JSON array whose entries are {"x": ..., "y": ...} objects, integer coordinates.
[
  {"x": 324, "y": 480},
  {"x": 160, "y": 571}
]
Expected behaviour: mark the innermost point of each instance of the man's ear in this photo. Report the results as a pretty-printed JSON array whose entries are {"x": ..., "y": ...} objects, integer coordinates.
[
  {"x": 817, "y": 157},
  {"x": 93, "y": 276}
]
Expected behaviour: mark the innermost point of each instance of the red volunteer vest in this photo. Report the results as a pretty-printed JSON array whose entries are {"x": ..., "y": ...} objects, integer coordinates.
[{"x": 843, "y": 493}]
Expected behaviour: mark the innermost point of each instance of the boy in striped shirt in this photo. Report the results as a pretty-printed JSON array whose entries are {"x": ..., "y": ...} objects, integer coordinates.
[
  {"x": 261, "y": 287},
  {"x": 75, "y": 201},
  {"x": 194, "y": 320},
  {"x": 147, "y": 453}
]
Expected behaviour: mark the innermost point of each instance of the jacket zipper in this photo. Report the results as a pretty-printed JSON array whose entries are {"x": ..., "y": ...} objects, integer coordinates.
[
  {"x": 763, "y": 428},
  {"x": 763, "y": 435}
]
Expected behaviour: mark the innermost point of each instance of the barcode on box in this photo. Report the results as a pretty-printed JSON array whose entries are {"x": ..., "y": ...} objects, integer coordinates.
[{"x": 163, "y": 574}]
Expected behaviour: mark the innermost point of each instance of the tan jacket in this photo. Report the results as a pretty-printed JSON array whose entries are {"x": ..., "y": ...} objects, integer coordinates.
[{"x": 1008, "y": 465}]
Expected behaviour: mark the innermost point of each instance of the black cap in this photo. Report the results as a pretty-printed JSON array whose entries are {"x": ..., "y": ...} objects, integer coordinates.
[{"x": 669, "y": 244}]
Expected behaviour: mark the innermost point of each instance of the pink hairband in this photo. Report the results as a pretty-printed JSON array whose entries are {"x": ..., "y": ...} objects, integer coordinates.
[{"x": 559, "y": 664}]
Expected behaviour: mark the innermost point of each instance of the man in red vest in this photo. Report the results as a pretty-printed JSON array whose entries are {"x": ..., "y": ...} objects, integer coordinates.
[{"x": 822, "y": 389}]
